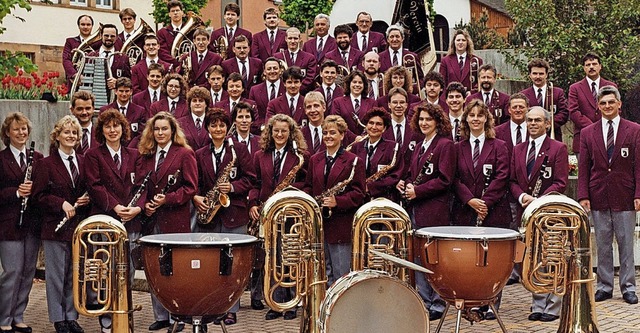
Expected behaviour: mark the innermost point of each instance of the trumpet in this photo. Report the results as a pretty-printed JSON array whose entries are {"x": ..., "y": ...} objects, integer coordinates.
[
  {"x": 551, "y": 108},
  {"x": 410, "y": 63}
]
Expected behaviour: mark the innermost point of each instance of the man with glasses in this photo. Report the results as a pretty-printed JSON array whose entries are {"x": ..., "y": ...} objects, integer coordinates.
[
  {"x": 366, "y": 40},
  {"x": 117, "y": 64},
  {"x": 140, "y": 70}
]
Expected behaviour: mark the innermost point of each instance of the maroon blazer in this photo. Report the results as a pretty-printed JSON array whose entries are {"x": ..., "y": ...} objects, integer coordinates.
[
  {"x": 262, "y": 49},
  {"x": 343, "y": 107},
  {"x": 255, "y": 72},
  {"x": 310, "y": 46},
  {"x": 610, "y": 185},
  {"x": 119, "y": 67},
  {"x": 242, "y": 177},
  {"x": 335, "y": 94},
  {"x": 583, "y": 109},
  {"x": 265, "y": 183},
  {"x": 108, "y": 186},
  {"x": 166, "y": 35},
  {"x": 93, "y": 143},
  {"x": 10, "y": 203},
  {"x": 52, "y": 186},
  {"x": 499, "y": 107},
  {"x": 182, "y": 109},
  {"x": 431, "y": 206},
  {"x": 375, "y": 39},
  {"x": 470, "y": 182},
  {"x": 226, "y": 105},
  {"x": 237, "y": 31},
  {"x": 281, "y": 105},
  {"x": 560, "y": 112},
  {"x": 337, "y": 228},
  {"x": 308, "y": 138},
  {"x": 139, "y": 74},
  {"x": 195, "y": 139},
  {"x": 386, "y": 61},
  {"x": 221, "y": 97},
  {"x": 136, "y": 116},
  {"x": 71, "y": 44},
  {"x": 307, "y": 62},
  {"x": 450, "y": 70},
  {"x": 260, "y": 94},
  {"x": 354, "y": 60},
  {"x": 554, "y": 178},
  {"x": 198, "y": 75},
  {"x": 409, "y": 141},
  {"x": 254, "y": 143},
  {"x": 143, "y": 99},
  {"x": 382, "y": 157},
  {"x": 503, "y": 132},
  {"x": 174, "y": 215}
]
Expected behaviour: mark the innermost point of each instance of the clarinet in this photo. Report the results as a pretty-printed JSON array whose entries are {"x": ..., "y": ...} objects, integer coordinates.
[
  {"x": 138, "y": 193},
  {"x": 418, "y": 180},
  {"x": 27, "y": 177},
  {"x": 171, "y": 180},
  {"x": 65, "y": 219},
  {"x": 487, "y": 180},
  {"x": 538, "y": 187}
]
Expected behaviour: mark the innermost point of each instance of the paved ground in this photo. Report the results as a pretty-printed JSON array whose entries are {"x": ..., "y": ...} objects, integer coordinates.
[{"x": 613, "y": 316}]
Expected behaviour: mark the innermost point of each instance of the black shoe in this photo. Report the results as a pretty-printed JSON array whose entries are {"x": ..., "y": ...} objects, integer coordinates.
[
  {"x": 159, "y": 324},
  {"x": 256, "y": 304},
  {"x": 434, "y": 315},
  {"x": 230, "y": 319},
  {"x": 179, "y": 328},
  {"x": 548, "y": 317},
  {"x": 490, "y": 315},
  {"x": 512, "y": 281},
  {"x": 61, "y": 327},
  {"x": 271, "y": 314},
  {"x": 290, "y": 315},
  {"x": 74, "y": 327},
  {"x": 630, "y": 297},
  {"x": 6, "y": 331},
  {"x": 535, "y": 316},
  {"x": 602, "y": 295},
  {"x": 26, "y": 329}
]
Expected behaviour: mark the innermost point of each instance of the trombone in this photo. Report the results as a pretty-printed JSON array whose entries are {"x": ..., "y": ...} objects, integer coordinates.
[
  {"x": 409, "y": 62},
  {"x": 550, "y": 106}
]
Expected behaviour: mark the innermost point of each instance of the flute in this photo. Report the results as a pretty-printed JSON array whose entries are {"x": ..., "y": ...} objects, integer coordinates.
[{"x": 65, "y": 219}]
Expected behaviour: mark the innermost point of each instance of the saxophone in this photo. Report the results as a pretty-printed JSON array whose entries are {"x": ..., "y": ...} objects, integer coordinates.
[
  {"x": 385, "y": 169},
  {"x": 27, "y": 177},
  {"x": 214, "y": 198},
  {"x": 336, "y": 189},
  {"x": 362, "y": 138}
]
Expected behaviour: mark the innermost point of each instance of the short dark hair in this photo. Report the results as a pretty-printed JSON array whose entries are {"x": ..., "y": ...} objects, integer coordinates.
[
  {"x": 123, "y": 82},
  {"x": 232, "y": 7},
  {"x": 235, "y": 76},
  {"x": 80, "y": 18},
  {"x": 156, "y": 67},
  {"x": 174, "y": 3},
  {"x": 591, "y": 56},
  {"x": 350, "y": 77},
  {"x": 328, "y": 63},
  {"x": 268, "y": 11},
  {"x": 537, "y": 62},
  {"x": 519, "y": 96},
  {"x": 434, "y": 76},
  {"x": 293, "y": 72},
  {"x": 127, "y": 12},
  {"x": 378, "y": 112},
  {"x": 456, "y": 86},
  {"x": 107, "y": 26},
  {"x": 242, "y": 106},
  {"x": 214, "y": 115},
  {"x": 342, "y": 29},
  {"x": 488, "y": 67}
]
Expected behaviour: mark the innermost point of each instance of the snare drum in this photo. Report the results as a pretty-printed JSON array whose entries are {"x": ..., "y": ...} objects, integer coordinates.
[
  {"x": 469, "y": 263},
  {"x": 372, "y": 301},
  {"x": 198, "y": 274}
]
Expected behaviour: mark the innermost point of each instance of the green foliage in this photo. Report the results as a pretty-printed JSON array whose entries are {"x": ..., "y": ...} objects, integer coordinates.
[
  {"x": 7, "y": 6},
  {"x": 483, "y": 37},
  {"x": 562, "y": 31},
  {"x": 161, "y": 13},
  {"x": 299, "y": 13},
  {"x": 10, "y": 62}
]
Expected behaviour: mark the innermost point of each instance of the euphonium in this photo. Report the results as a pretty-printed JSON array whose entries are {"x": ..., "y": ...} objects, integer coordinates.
[
  {"x": 133, "y": 51},
  {"x": 101, "y": 262},
  {"x": 294, "y": 247},
  {"x": 381, "y": 225},
  {"x": 214, "y": 198},
  {"x": 220, "y": 46},
  {"x": 182, "y": 43},
  {"x": 558, "y": 259}
]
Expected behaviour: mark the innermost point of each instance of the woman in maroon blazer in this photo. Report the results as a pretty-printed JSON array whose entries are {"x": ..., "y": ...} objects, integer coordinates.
[
  {"x": 461, "y": 50},
  {"x": 397, "y": 76},
  {"x": 198, "y": 99},
  {"x": 19, "y": 238},
  {"x": 59, "y": 190},
  {"x": 482, "y": 180},
  {"x": 354, "y": 104}
]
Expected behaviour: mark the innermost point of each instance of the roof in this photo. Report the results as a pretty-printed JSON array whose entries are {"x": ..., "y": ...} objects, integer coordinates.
[{"x": 498, "y": 5}]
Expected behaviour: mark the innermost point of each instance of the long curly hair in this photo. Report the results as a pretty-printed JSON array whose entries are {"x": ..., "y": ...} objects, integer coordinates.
[
  {"x": 148, "y": 144},
  {"x": 478, "y": 104},
  {"x": 443, "y": 125},
  {"x": 295, "y": 134},
  {"x": 108, "y": 116},
  {"x": 397, "y": 70}
]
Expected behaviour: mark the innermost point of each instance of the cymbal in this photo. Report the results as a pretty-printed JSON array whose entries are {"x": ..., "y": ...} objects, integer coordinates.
[{"x": 400, "y": 261}]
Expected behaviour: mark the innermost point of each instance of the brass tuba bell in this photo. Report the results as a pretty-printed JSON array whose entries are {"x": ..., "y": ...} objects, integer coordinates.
[{"x": 133, "y": 51}]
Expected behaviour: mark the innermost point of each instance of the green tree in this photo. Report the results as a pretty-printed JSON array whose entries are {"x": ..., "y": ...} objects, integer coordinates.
[
  {"x": 9, "y": 61},
  {"x": 161, "y": 14},
  {"x": 563, "y": 31},
  {"x": 483, "y": 37},
  {"x": 300, "y": 13}
]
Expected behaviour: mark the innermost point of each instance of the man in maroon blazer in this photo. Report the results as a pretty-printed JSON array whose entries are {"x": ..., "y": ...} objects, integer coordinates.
[
  {"x": 514, "y": 131},
  {"x": 136, "y": 115},
  {"x": 293, "y": 56},
  {"x": 455, "y": 108},
  {"x": 192, "y": 124},
  {"x": 230, "y": 30},
  {"x": 168, "y": 33},
  {"x": 322, "y": 43},
  {"x": 371, "y": 68},
  {"x": 292, "y": 102},
  {"x": 395, "y": 54},
  {"x": 242, "y": 116},
  {"x": 271, "y": 40},
  {"x": 315, "y": 109},
  {"x": 345, "y": 54},
  {"x": 128, "y": 19},
  {"x": 249, "y": 68},
  {"x": 216, "y": 78},
  {"x": 609, "y": 188},
  {"x": 153, "y": 92},
  {"x": 542, "y": 160},
  {"x": 174, "y": 87},
  {"x": 497, "y": 101},
  {"x": 201, "y": 59},
  {"x": 140, "y": 70},
  {"x": 85, "y": 25},
  {"x": 366, "y": 40},
  {"x": 537, "y": 95},
  {"x": 400, "y": 130},
  {"x": 82, "y": 107},
  {"x": 235, "y": 89},
  {"x": 583, "y": 109},
  {"x": 329, "y": 89},
  {"x": 433, "y": 87},
  {"x": 266, "y": 91}
]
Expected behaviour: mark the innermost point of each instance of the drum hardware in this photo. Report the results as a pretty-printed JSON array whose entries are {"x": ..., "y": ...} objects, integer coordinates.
[
  {"x": 165, "y": 260},
  {"x": 401, "y": 262}
]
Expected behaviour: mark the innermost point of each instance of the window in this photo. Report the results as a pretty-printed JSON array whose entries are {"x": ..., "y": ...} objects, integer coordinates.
[
  {"x": 78, "y": 2},
  {"x": 103, "y": 4}
]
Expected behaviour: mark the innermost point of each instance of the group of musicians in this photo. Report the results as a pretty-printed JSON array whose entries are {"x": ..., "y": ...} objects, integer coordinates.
[{"x": 464, "y": 154}]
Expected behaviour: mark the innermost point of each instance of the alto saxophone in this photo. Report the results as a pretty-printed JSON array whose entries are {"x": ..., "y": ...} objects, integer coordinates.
[
  {"x": 336, "y": 189},
  {"x": 362, "y": 138},
  {"x": 214, "y": 198},
  {"x": 27, "y": 177}
]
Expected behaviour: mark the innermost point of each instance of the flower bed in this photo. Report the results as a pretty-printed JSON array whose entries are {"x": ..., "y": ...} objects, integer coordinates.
[{"x": 33, "y": 87}]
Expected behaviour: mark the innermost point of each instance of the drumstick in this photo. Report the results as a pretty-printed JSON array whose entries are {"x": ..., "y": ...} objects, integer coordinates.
[{"x": 400, "y": 261}]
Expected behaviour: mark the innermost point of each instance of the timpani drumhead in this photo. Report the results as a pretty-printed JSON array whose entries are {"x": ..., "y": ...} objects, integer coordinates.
[
  {"x": 198, "y": 239},
  {"x": 467, "y": 233}
]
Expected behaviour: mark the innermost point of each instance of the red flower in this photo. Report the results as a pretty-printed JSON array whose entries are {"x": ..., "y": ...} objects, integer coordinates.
[
  {"x": 20, "y": 72},
  {"x": 6, "y": 80},
  {"x": 45, "y": 75},
  {"x": 27, "y": 85},
  {"x": 15, "y": 80},
  {"x": 34, "y": 75},
  {"x": 49, "y": 84}
]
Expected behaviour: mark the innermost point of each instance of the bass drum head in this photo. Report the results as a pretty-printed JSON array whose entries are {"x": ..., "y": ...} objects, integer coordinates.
[{"x": 371, "y": 301}]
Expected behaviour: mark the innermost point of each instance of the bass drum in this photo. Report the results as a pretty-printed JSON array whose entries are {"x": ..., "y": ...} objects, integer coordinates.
[{"x": 372, "y": 301}]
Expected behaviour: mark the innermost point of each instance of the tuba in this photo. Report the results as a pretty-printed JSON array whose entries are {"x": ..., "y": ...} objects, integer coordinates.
[
  {"x": 384, "y": 226},
  {"x": 133, "y": 51},
  {"x": 183, "y": 45},
  {"x": 101, "y": 263},
  {"x": 220, "y": 46},
  {"x": 558, "y": 259},
  {"x": 294, "y": 247}
]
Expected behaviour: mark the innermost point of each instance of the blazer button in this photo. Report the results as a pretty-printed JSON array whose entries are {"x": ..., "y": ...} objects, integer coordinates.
[{"x": 609, "y": 169}]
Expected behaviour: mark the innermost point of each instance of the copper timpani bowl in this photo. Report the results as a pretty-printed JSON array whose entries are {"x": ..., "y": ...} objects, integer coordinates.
[
  {"x": 198, "y": 274},
  {"x": 469, "y": 264}
]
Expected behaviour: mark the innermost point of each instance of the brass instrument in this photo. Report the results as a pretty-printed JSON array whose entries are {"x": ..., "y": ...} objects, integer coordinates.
[
  {"x": 558, "y": 259},
  {"x": 129, "y": 47},
  {"x": 336, "y": 189},
  {"x": 294, "y": 247},
  {"x": 183, "y": 45},
  {"x": 410, "y": 63},
  {"x": 100, "y": 252},
  {"x": 360, "y": 139},
  {"x": 550, "y": 106},
  {"x": 214, "y": 198},
  {"x": 474, "y": 67},
  {"x": 381, "y": 83},
  {"x": 65, "y": 219},
  {"x": 494, "y": 108},
  {"x": 538, "y": 185},
  {"x": 92, "y": 76},
  {"x": 383, "y": 171},
  {"x": 27, "y": 177},
  {"x": 232, "y": 129},
  {"x": 85, "y": 45},
  {"x": 381, "y": 225},
  {"x": 220, "y": 46}
]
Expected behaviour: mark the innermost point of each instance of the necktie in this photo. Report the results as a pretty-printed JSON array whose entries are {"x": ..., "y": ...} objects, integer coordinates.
[
  {"x": 84, "y": 144},
  {"x": 233, "y": 105},
  {"x": 476, "y": 153},
  {"x": 356, "y": 107},
  {"x": 461, "y": 62},
  {"x": 74, "y": 171},
  {"x": 106, "y": 53},
  {"x": 316, "y": 140},
  {"x": 175, "y": 31},
  {"x": 519, "y": 135},
  {"x": 594, "y": 91},
  {"x": 230, "y": 36},
  {"x": 215, "y": 98},
  {"x": 198, "y": 125},
  {"x": 276, "y": 166},
  {"x": 293, "y": 58},
  {"x": 487, "y": 99},
  {"x": 173, "y": 107},
  {"x": 272, "y": 38},
  {"x": 456, "y": 130},
  {"x": 610, "y": 142},
  {"x": 123, "y": 110},
  {"x": 395, "y": 58},
  {"x": 364, "y": 43},
  {"x": 370, "y": 151},
  {"x": 422, "y": 150},
  {"x": 344, "y": 58},
  {"x": 327, "y": 168},
  {"x": 160, "y": 160},
  {"x": 152, "y": 61},
  {"x": 218, "y": 157},
  {"x": 539, "y": 97},
  {"x": 319, "y": 48},
  {"x": 531, "y": 158},
  {"x": 272, "y": 95},
  {"x": 371, "y": 90},
  {"x": 23, "y": 166},
  {"x": 116, "y": 160},
  {"x": 244, "y": 142},
  {"x": 243, "y": 71},
  {"x": 155, "y": 97},
  {"x": 399, "y": 134},
  {"x": 329, "y": 99},
  {"x": 128, "y": 35},
  {"x": 200, "y": 56},
  {"x": 292, "y": 108}
]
